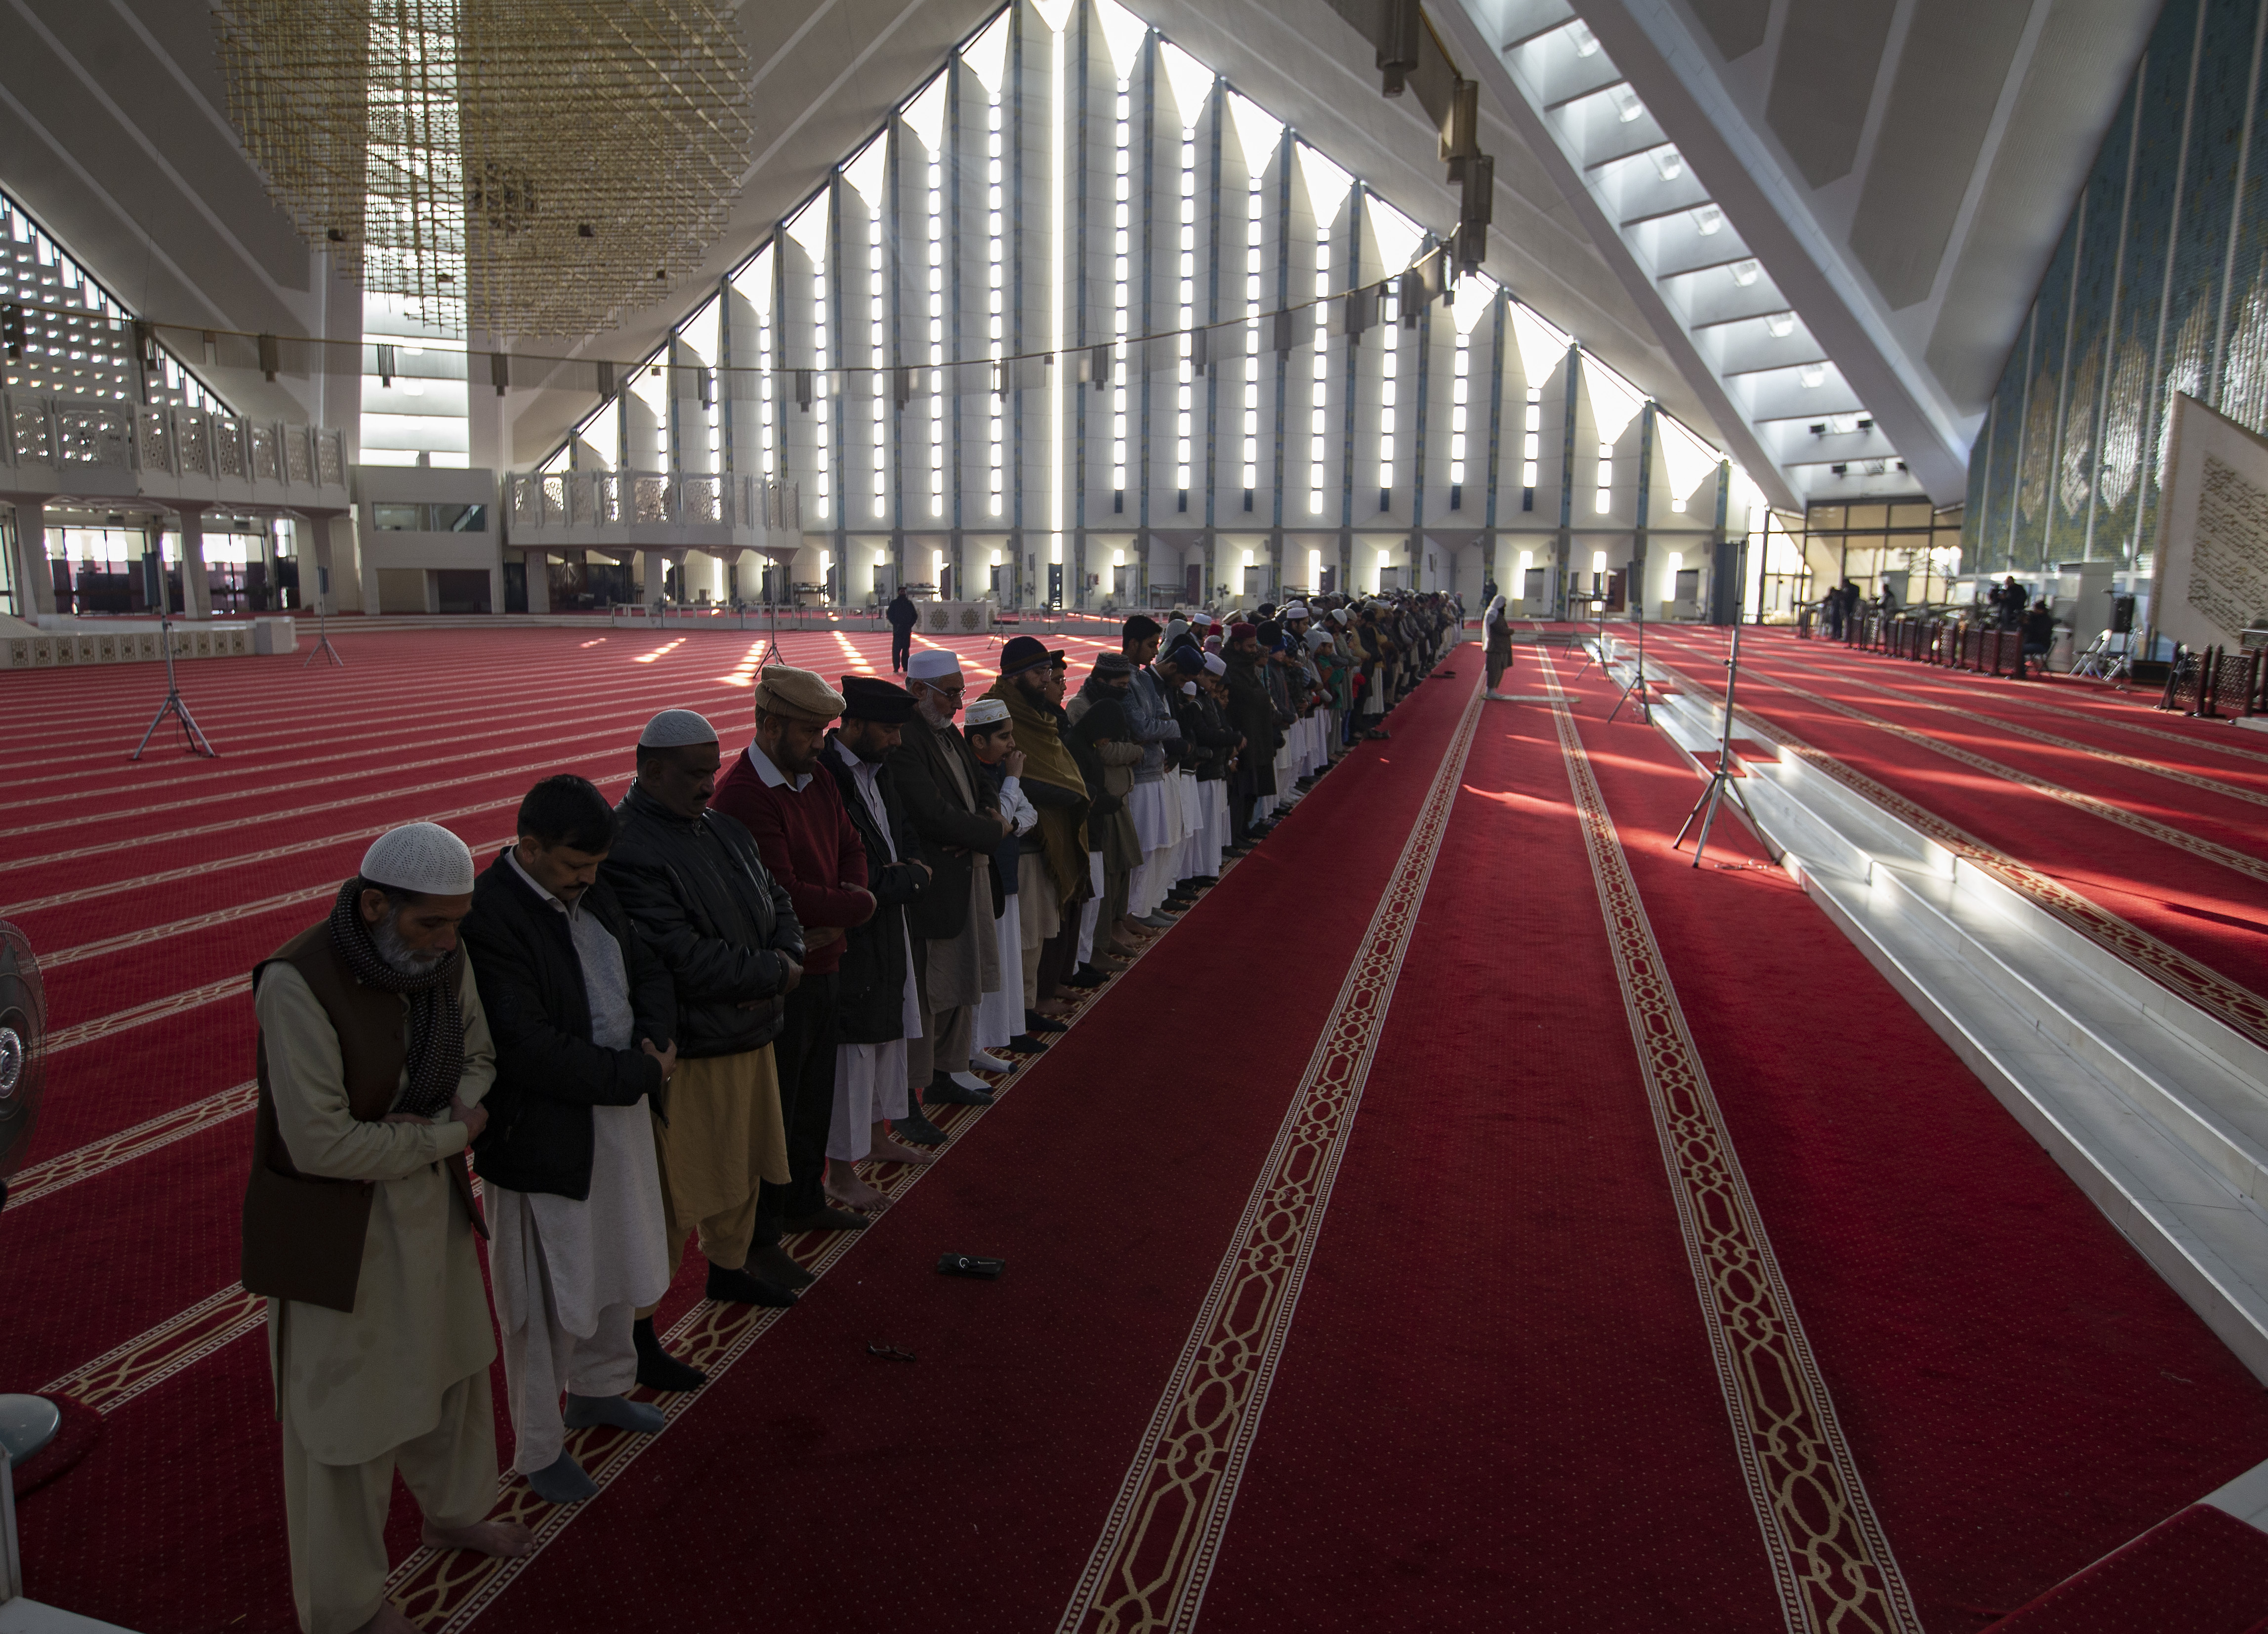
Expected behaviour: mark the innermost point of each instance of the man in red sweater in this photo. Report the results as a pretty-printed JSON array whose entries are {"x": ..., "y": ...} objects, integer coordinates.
[{"x": 775, "y": 789}]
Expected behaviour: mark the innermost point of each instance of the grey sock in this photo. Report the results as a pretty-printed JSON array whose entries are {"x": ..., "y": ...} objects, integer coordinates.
[
  {"x": 561, "y": 1480},
  {"x": 617, "y": 1410}
]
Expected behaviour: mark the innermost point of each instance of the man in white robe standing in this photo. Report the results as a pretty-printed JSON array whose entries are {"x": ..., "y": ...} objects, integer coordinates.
[
  {"x": 584, "y": 1019},
  {"x": 373, "y": 1058}
]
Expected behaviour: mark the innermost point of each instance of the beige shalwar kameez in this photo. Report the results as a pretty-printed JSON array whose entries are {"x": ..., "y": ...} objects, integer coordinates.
[{"x": 402, "y": 1381}]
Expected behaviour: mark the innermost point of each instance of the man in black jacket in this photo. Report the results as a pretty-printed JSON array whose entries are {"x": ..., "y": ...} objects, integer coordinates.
[
  {"x": 874, "y": 1117},
  {"x": 903, "y": 616},
  {"x": 583, "y": 1020},
  {"x": 692, "y": 882}
]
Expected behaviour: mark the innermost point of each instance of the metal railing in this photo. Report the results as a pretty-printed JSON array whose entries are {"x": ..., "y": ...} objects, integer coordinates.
[
  {"x": 73, "y": 434},
  {"x": 538, "y": 502}
]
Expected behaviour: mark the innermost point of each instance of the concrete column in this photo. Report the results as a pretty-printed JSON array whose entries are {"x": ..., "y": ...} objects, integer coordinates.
[
  {"x": 496, "y": 583},
  {"x": 653, "y": 568},
  {"x": 35, "y": 581},
  {"x": 197, "y": 590},
  {"x": 539, "y": 581}
]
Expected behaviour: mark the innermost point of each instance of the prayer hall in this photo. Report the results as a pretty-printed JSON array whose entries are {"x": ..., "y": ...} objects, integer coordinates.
[{"x": 1264, "y": 817}]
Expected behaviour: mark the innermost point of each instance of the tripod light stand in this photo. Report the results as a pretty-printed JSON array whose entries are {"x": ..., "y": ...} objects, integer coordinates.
[
  {"x": 323, "y": 647},
  {"x": 1637, "y": 687},
  {"x": 193, "y": 733},
  {"x": 1720, "y": 781}
]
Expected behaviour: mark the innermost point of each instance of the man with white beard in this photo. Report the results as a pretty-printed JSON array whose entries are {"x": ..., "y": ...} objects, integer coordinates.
[{"x": 373, "y": 1056}]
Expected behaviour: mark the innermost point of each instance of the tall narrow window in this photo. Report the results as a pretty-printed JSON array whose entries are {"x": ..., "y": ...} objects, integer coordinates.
[
  {"x": 880, "y": 358},
  {"x": 1390, "y": 330},
  {"x": 936, "y": 310},
  {"x": 1460, "y": 385},
  {"x": 1531, "y": 446},
  {"x": 996, "y": 446},
  {"x": 1320, "y": 373},
  {"x": 1254, "y": 229},
  {"x": 822, "y": 481},
  {"x": 1184, "y": 388},
  {"x": 1605, "y": 501},
  {"x": 1121, "y": 192}
]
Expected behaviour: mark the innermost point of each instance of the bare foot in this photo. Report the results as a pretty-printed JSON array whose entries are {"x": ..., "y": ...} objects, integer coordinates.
[
  {"x": 888, "y": 1150},
  {"x": 845, "y": 1185},
  {"x": 506, "y": 1540},
  {"x": 389, "y": 1620}
]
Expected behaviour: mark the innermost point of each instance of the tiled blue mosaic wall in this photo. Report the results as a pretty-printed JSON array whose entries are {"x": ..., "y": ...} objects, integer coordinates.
[{"x": 2159, "y": 286}]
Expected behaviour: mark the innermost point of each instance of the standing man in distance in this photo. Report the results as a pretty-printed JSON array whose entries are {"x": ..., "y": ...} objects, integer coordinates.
[
  {"x": 585, "y": 1021},
  {"x": 903, "y": 616},
  {"x": 695, "y": 886},
  {"x": 796, "y": 815},
  {"x": 373, "y": 1058}
]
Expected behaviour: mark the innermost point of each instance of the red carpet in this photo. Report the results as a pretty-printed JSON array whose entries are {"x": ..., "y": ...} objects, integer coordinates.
[{"x": 1495, "y": 1404}]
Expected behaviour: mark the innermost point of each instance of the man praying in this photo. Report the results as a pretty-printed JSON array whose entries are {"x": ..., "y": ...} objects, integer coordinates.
[{"x": 373, "y": 1058}]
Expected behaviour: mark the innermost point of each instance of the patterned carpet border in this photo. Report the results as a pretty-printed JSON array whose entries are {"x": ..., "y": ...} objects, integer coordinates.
[
  {"x": 1150, "y": 1566},
  {"x": 1829, "y": 1559}
]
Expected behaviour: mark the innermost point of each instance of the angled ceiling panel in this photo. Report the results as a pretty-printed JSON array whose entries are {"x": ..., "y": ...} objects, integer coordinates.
[{"x": 1829, "y": 51}]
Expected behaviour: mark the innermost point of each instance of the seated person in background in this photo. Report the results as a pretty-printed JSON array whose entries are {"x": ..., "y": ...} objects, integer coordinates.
[
  {"x": 2039, "y": 631},
  {"x": 585, "y": 1021}
]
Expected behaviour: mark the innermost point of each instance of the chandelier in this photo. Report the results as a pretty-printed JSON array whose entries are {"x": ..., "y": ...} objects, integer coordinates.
[{"x": 521, "y": 168}]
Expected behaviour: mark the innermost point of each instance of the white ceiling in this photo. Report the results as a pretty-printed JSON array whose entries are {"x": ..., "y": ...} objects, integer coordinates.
[
  {"x": 1882, "y": 183},
  {"x": 1897, "y": 171}
]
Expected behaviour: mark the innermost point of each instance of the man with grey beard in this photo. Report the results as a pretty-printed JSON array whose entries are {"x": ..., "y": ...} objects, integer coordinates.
[{"x": 373, "y": 1058}]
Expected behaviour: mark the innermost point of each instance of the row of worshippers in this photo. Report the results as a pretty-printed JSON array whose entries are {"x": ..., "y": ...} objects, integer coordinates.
[{"x": 694, "y": 1014}]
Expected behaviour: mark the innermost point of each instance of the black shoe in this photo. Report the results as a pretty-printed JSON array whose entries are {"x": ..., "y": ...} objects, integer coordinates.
[
  {"x": 916, "y": 1129},
  {"x": 656, "y": 1368},
  {"x": 774, "y": 1264},
  {"x": 1025, "y": 1044},
  {"x": 1035, "y": 1023},
  {"x": 1086, "y": 976},
  {"x": 830, "y": 1218},
  {"x": 1208, "y": 880},
  {"x": 738, "y": 1287},
  {"x": 943, "y": 1091}
]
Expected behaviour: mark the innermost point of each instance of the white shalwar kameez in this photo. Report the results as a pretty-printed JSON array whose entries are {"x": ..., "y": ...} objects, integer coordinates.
[
  {"x": 870, "y": 1079},
  {"x": 570, "y": 1275}
]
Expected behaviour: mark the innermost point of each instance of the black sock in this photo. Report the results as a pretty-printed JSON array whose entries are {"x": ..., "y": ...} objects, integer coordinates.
[{"x": 656, "y": 1368}]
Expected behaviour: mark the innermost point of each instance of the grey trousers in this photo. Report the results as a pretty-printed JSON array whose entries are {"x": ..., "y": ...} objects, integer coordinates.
[{"x": 943, "y": 1046}]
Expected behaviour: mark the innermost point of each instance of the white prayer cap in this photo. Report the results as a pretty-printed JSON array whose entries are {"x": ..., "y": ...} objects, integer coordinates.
[
  {"x": 673, "y": 729},
  {"x": 1338, "y": 616},
  {"x": 1190, "y": 688},
  {"x": 420, "y": 856},
  {"x": 1298, "y": 609},
  {"x": 1203, "y": 621},
  {"x": 1216, "y": 664},
  {"x": 1317, "y": 640},
  {"x": 930, "y": 662},
  {"x": 986, "y": 712}
]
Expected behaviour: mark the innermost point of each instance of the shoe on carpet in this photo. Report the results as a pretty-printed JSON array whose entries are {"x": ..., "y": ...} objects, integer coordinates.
[
  {"x": 1034, "y": 1024},
  {"x": 1206, "y": 880},
  {"x": 561, "y": 1480},
  {"x": 738, "y": 1287},
  {"x": 969, "y": 1080},
  {"x": 776, "y": 1265},
  {"x": 943, "y": 1091},
  {"x": 1156, "y": 922},
  {"x": 825, "y": 1219},
  {"x": 984, "y": 1061},
  {"x": 618, "y": 1412},
  {"x": 656, "y": 1368},
  {"x": 1086, "y": 978},
  {"x": 1496, "y": 697},
  {"x": 1025, "y": 1044},
  {"x": 916, "y": 1129}
]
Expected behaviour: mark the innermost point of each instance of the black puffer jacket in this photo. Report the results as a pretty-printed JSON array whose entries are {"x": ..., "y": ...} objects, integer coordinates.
[
  {"x": 549, "y": 1073},
  {"x": 870, "y": 1000},
  {"x": 721, "y": 925}
]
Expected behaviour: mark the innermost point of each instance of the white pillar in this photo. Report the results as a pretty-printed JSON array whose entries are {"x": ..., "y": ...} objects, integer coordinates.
[
  {"x": 539, "y": 580},
  {"x": 652, "y": 567},
  {"x": 196, "y": 589},
  {"x": 35, "y": 581}
]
